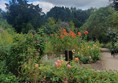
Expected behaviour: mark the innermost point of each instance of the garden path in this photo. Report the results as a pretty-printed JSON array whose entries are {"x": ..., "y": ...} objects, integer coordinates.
[{"x": 107, "y": 61}]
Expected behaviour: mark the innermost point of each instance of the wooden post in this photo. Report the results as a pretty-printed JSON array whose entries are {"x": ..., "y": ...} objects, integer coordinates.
[{"x": 68, "y": 55}]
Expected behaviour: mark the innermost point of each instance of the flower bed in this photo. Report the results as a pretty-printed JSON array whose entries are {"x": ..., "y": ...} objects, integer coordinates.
[
  {"x": 71, "y": 72},
  {"x": 22, "y": 54}
]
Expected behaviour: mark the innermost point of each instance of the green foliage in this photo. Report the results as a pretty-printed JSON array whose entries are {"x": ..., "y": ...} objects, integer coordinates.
[
  {"x": 50, "y": 27},
  {"x": 20, "y": 15},
  {"x": 30, "y": 70},
  {"x": 89, "y": 52},
  {"x": 5, "y": 76},
  {"x": 15, "y": 49},
  {"x": 57, "y": 43},
  {"x": 78, "y": 16},
  {"x": 8, "y": 78},
  {"x": 99, "y": 23},
  {"x": 115, "y": 4},
  {"x": 6, "y": 40},
  {"x": 112, "y": 21},
  {"x": 76, "y": 73},
  {"x": 23, "y": 48},
  {"x": 3, "y": 22},
  {"x": 63, "y": 40}
]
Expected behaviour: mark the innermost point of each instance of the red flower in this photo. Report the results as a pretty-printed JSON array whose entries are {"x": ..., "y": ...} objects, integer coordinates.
[
  {"x": 79, "y": 34},
  {"x": 86, "y": 32}
]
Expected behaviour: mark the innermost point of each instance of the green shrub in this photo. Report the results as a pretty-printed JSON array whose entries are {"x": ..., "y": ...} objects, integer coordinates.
[
  {"x": 75, "y": 74},
  {"x": 8, "y": 78},
  {"x": 89, "y": 52},
  {"x": 5, "y": 76},
  {"x": 24, "y": 46}
]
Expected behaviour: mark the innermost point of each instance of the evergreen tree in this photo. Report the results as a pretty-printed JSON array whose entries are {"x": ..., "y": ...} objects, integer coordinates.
[{"x": 20, "y": 13}]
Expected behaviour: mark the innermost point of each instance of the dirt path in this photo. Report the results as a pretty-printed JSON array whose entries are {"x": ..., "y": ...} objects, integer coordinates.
[{"x": 107, "y": 61}]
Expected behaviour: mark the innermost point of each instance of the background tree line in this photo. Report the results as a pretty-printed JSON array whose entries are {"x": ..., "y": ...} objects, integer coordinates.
[{"x": 24, "y": 17}]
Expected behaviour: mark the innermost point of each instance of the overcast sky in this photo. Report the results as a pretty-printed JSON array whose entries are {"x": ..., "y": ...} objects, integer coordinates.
[{"x": 46, "y": 5}]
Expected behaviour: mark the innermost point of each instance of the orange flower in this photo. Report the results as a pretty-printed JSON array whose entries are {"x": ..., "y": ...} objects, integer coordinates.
[
  {"x": 72, "y": 34},
  {"x": 76, "y": 59},
  {"x": 79, "y": 34},
  {"x": 86, "y": 32},
  {"x": 65, "y": 32}
]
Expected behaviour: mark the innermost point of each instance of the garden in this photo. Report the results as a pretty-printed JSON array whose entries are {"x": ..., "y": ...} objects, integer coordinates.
[
  {"x": 64, "y": 45},
  {"x": 40, "y": 58}
]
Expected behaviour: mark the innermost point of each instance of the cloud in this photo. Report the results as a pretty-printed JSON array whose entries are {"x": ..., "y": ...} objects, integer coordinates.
[
  {"x": 46, "y": 6},
  {"x": 84, "y": 4},
  {"x": 2, "y": 4}
]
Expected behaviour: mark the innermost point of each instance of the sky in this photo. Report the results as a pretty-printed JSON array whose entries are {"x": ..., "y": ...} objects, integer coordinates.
[{"x": 46, "y": 5}]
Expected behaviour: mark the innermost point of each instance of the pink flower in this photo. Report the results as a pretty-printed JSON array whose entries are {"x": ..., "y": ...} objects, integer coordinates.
[
  {"x": 58, "y": 63},
  {"x": 69, "y": 66}
]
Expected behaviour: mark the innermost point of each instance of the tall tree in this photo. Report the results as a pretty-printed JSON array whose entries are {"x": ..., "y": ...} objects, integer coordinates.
[
  {"x": 20, "y": 14},
  {"x": 3, "y": 22},
  {"x": 78, "y": 16},
  {"x": 115, "y": 2},
  {"x": 99, "y": 23}
]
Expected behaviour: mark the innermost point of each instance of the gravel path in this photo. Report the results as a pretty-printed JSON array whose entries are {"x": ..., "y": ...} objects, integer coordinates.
[{"x": 107, "y": 61}]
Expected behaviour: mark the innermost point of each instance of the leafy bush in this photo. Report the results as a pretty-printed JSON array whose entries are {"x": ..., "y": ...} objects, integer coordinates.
[
  {"x": 89, "y": 52},
  {"x": 74, "y": 73},
  {"x": 5, "y": 76},
  {"x": 6, "y": 40},
  {"x": 61, "y": 41},
  {"x": 8, "y": 78},
  {"x": 21, "y": 54},
  {"x": 24, "y": 46}
]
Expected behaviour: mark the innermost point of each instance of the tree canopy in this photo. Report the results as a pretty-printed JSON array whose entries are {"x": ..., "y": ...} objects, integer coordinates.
[
  {"x": 78, "y": 16},
  {"x": 21, "y": 14},
  {"x": 100, "y": 22}
]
